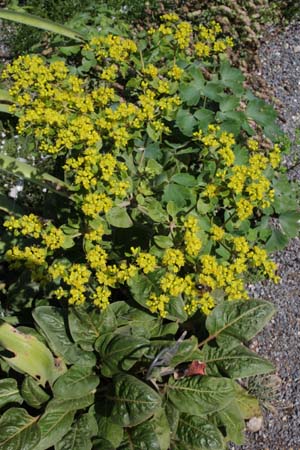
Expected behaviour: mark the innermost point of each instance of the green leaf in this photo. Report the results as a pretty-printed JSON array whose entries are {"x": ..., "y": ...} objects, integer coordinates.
[
  {"x": 239, "y": 319},
  {"x": 187, "y": 351},
  {"x": 232, "y": 78},
  {"x": 196, "y": 433},
  {"x": 185, "y": 122},
  {"x": 213, "y": 91},
  {"x": 231, "y": 418},
  {"x": 133, "y": 401},
  {"x": 30, "y": 355},
  {"x": 261, "y": 112},
  {"x": 19, "y": 430},
  {"x": 277, "y": 241},
  {"x": 199, "y": 395},
  {"x": 180, "y": 195},
  {"x": 78, "y": 381},
  {"x": 155, "y": 211},
  {"x": 9, "y": 392},
  {"x": 204, "y": 117},
  {"x": 153, "y": 434},
  {"x": 247, "y": 404},
  {"x": 119, "y": 218},
  {"x": 185, "y": 179},
  {"x": 79, "y": 436},
  {"x": 163, "y": 241},
  {"x": 32, "y": 393},
  {"x": 5, "y": 95},
  {"x": 109, "y": 430},
  {"x": 54, "y": 424},
  {"x": 42, "y": 24},
  {"x": 133, "y": 321},
  {"x": 120, "y": 352},
  {"x": 238, "y": 362},
  {"x": 290, "y": 222},
  {"x": 86, "y": 326},
  {"x": 229, "y": 103},
  {"x": 5, "y": 108},
  {"x": 52, "y": 323},
  {"x": 191, "y": 92}
]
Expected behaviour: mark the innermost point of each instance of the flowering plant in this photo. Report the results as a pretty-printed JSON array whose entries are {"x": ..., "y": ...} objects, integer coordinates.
[{"x": 164, "y": 178}]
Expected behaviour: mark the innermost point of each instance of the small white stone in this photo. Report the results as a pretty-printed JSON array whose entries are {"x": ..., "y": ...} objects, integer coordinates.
[
  {"x": 255, "y": 424},
  {"x": 297, "y": 49}
]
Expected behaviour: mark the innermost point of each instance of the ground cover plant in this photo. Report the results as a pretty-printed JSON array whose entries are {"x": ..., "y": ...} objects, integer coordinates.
[{"x": 125, "y": 310}]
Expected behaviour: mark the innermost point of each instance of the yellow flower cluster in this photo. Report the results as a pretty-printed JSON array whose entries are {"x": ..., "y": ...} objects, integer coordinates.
[
  {"x": 219, "y": 143},
  {"x": 192, "y": 242},
  {"x": 173, "y": 259},
  {"x": 31, "y": 256},
  {"x": 95, "y": 204},
  {"x": 209, "y": 43},
  {"x": 26, "y": 225},
  {"x": 98, "y": 130}
]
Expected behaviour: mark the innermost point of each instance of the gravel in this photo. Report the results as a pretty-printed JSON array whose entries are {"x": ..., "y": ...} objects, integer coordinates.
[{"x": 280, "y": 341}]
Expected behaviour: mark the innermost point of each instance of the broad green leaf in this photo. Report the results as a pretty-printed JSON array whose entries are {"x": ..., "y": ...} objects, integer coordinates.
[
  {"x": 9, "y": 392},
  {"x": 172, "y": 414},
  {"x": 42, "y": 24},
  {"x": 31, "y": 356},
  {"x": 231, "y": 418},
  {"x": 154, "y": 434},
  {"x": 213, "y": 91},
  {"x": 133, "y": 401},
  {"x": 131, "y": 320},
  {"x": 52, "y": 323},
  {"x": 261, "y": 112},
  {"x": 109, "y": 430},
  {"x": 54, "y": 425},
  {"x": 247, "y": 404},
  {"x": 102, "y": 444},
  {"x": 199, "y": 395},
  {"x": 184, "y": 179},
  {"x": 277, "y": 241},
  {"x": 240, "y": 319},
  {"x": 163, "y": 241},
  {"x": 79, "y": 436},
  {"x": 155, "y": 211},
  {"x": 120, "y": 352},
  {"x": 32, "y": 393},
  {"x": 196, "y": 433},
  {"x": 190, "y": 93},
  {"x": 57, "y": 419},
  {"x": 119, "y": 218},
  {"x": 179, "y": 194},
  {"x": 238, "y": 362},
  {"x": 5, "y": 95},
  {"x": 78, "y": 381},
  {"x": 19, "y": 430},
  {"x": 229, "y": 103},
  {"x": 187, "y": 351},
  {"x": 290, "y": 222},
  {"x": 204, "y": 117},
  {"x": 141, "y": 286},
  {"x": 87, "y": 325},
  {"x": 5, "y": 108},
  {"x": 185, "y": 122}
]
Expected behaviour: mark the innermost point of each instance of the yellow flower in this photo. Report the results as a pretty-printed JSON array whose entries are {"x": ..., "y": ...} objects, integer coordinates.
[
  {"x": 174, "y": 259},
  {"x": 244, "y": 209},
  {"x": 217, "y": 233},
  {"x": 146, "y": 262}
]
